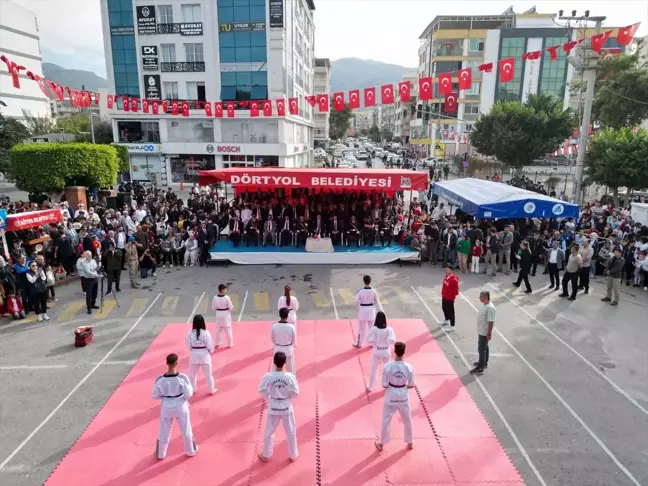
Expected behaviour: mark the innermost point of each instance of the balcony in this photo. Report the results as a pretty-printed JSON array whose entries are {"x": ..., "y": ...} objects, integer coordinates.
[
  {"x": 447, "y": 48},
  {"x": 188, "y": 29},
  {"x": 182, "y": 67}
]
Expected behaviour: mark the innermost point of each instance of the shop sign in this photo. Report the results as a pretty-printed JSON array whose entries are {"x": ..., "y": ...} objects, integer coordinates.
[
  {"x": 276, "y": 14},
  {"x": 243, "y": 27},
  {"x": 142, "y": 148},
  {"x": 150, "y": 58},
  {"x": 146, "y": 20},
  {"x": 122, "y": 31},
  {"x": 193, "y": 28},
  {"x": 152, "y": 86},
  {"x": 228, "y": 149}
]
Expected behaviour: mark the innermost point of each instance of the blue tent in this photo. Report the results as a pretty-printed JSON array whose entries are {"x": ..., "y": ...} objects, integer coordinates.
[{"x": 486, "y": 199}]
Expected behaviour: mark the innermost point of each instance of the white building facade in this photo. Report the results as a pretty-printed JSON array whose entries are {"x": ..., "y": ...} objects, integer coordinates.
[
  {"x": 20, "y": 42},
  {"x": 322, "y": 84},
  {"x": 206, "y": 51}
]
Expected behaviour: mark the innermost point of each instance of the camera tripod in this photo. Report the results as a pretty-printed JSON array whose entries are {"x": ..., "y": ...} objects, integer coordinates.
[{"x": 101, "y": 292}]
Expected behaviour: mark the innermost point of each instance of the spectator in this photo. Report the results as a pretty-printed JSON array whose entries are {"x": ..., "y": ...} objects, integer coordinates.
[
  {"x": 37, "y": 281},
  {"x": 614, "y": 272}
]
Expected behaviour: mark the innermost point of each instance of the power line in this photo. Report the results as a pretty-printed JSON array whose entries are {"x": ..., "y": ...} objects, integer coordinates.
[{"x": 620, "y": 95}]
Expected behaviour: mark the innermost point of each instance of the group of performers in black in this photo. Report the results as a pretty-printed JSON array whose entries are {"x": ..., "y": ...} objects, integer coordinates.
[{"x": 285, "y": 220}]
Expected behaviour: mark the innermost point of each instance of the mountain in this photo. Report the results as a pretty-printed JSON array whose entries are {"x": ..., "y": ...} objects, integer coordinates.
[
  {"x": 74, "y": 78},
  {"x": 351, "y": 73}
]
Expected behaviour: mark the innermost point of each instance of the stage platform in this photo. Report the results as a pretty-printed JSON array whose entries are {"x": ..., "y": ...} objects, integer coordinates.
[
  {"x": 337, "y": 420},
  {"x": 365, "y": 255}
]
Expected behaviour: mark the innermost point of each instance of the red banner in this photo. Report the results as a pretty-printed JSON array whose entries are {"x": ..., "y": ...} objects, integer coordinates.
[
  {"x": 32, "y": 219},
  {"x": 353, "y": 180}
]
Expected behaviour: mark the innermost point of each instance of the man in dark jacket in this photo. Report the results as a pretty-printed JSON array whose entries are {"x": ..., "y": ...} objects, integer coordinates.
[
  {"x": 614, "y": 272},
  {"x": 113, "y": 260},
  {"x": 524, "y": 258}
]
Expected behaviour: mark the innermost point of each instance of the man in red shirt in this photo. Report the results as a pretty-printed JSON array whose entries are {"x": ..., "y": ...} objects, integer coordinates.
[{"x": 449, "y": 293}]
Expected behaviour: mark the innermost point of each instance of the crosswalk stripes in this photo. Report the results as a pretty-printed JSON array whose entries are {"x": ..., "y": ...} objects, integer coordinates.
[
  {"x": 108, "y": 306},
  {"x": 169, "y": 305},
  {"x": 348, "y": 297},
  {"x": 406, "y": 297},
  {"x": 320, "y": 299},
  {"x": 261, "y": 301},
  {"x": 235, "y": 300},
  {"x": 137, "y": 307},
  {"x": 205, "y": 304},
  {"x": 71, "y": 310}
]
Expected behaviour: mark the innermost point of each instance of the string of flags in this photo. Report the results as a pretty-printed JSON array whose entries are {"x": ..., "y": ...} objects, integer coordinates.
[{"x": 219, "y": 109}]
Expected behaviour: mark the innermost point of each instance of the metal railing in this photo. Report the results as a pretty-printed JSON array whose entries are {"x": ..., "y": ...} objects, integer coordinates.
[{"x": 182, "y": 67}]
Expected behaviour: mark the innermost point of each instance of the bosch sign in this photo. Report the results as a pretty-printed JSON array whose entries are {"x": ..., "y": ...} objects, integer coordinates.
[{"x": 228, "y": 149}]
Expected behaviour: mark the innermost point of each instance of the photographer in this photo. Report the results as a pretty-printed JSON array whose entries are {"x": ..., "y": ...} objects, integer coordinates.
[
  {"x": 113, "y": 259},
  {"x": 147, "y": 262}
]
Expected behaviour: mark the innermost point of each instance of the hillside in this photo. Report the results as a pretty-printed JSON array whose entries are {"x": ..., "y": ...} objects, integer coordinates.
[
  {"x": 73, "y": 78},
  {"x": 351, "y": 73}
]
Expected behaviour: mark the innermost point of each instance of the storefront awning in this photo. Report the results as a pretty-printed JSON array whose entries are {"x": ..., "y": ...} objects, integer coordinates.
[
  {"x": 33, "y": 219},
  {"x": 388, "y": 180}
]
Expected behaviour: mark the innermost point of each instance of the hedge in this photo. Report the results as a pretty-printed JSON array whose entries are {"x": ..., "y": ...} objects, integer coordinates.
[
  {"x": 50, "y": 167},
  {"x": 124, "y": 159}
]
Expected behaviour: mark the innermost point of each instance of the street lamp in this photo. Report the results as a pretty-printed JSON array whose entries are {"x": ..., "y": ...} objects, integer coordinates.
[{"x": 92, "y": 115}]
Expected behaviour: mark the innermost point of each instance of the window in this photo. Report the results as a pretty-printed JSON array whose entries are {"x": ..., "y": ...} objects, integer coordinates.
[
  {"x": 170, "y": 90},
  {"x": 123, "y": 50},
  {"x": 244, "y": 85},
  {"x": 553, "y": 73},
  {"x": 512, "y": 47},
  {"x": 165, "y": 13},
  {"x": 243, "y": 46},
  {"x": 476, "y": 45},
  {"x": 473, "y": 64},
  {"x": 167, "y": 52},
  {"x": 191, "y": 13},
  {"x": 194, "y": 53},
  {"x": 475, "y": 89},
  {"x": 471, "y": 109},
  {"x": 196, "y": 91}
]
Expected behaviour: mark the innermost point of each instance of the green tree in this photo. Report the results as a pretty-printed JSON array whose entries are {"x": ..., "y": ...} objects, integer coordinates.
[
  {"x": 618, "y": 158},
  {"x": 374, "y": 133},
  {"x": 79, "y": 125},
  {"x": 621, "y": 92},
  {"x": 517, "y": 134},
  {"x": 339, "y": 121},
  {"x": 50, "y": 167},
  {"x": 37, "y": 125},
  {"x": 386, "y": 135},
  {"x": 124, "y": 158},
  {"x": 12, "y": 132}
]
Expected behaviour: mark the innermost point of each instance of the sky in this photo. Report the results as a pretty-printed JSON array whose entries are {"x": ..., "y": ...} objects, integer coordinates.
[{"x": 381, "y": 30}]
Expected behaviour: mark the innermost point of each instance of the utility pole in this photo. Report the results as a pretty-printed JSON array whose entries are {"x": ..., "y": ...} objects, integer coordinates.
[
  {"x": 586, "y": 62},
  {"x": 92, "y": 125}
]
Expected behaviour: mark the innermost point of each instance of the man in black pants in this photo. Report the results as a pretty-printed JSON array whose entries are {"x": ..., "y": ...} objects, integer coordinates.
[
  {"x": 87, "y": 268},
  {"x": 524, "y": 258},
  {"x": 574, "y": 265},
  {"x": 112, "y": 262},
  {"x": 555, "y": 259},
  {"x": 449, "y": 292}
]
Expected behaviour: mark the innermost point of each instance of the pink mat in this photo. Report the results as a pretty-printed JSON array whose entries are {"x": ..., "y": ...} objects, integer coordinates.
[{"x": 337, "y": 420}]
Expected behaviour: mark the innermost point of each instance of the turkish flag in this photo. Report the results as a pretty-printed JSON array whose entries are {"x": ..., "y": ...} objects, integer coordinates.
[
  {"x": 174, "y": 107},
  {"x": 465, "y": 78},
  {"x": 568, "y": 46},
  {"x": 599, "y": 40},
  {"x": 110, "y": 99},
  {"x": 218, "y": 109},
  {"x": 155, "y": 105},
  {"x": 293, "y": 106},
  {"x": 404, "y": 88},
  {"x": 145, "y": 105},
  {"x": 135, "y": 105},
  {"x": 445, "y": 83},
  {"x": 185, "y": 108},
  {"x": 165, "y": 106},
  {"x": 323, "y": 103},
  {"x": 532, "y": 55},
  {"x": 96, "y": 97},
  {"x": 625, "y": 35},
  {"x": 208, "y": 109},
  {"x": 125, "y": 103},
  {"x": 425, "y": 88},
  {"x": 450, "y": 103},
  {"x": 387, "y": 94},
  {"x": 254, "y": 109},
  {"x": 553, "y": 52},
  {"x": 338, "y": 101},
  {"x": 14, "y": 69},
  {"x": 354, "y": 99},
  {"x": 369, "y": 97},
  {"x": 267, "y": 108},
  {"x": 506, "y": 70},
  {"x": 486, "y": 68},
  {"x": 281, "y": 107},
  {"x": 312, "y": 100},
  {"x": 230, "y": 106},
  {"x": 41, "y": 83}
]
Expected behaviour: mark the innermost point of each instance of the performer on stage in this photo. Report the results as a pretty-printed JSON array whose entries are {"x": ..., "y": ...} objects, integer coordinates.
[
  {"x": 223, "y": 307},
  {"x": 278, "y": 388},
  {"x": 366, "y": 300},
  {"x": 284, "y": 336},
  {"x": 398, "y": 378},
  {"x": 174, "y": 389},
  {"x": 291, "y": 303},
  {"x": 201, "y": 345},
  {"x": 381, "y": 337}
]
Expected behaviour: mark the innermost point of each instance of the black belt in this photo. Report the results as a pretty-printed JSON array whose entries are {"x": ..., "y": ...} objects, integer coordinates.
[
  {"x": 198, "y": 347},
  {"x": 283, "y": 345},
  {"x": 174, "y": 396},
  {"x": 366, "y": 305},
  {"x": 397, "y": 386},
  {"x": 222, "y": 309}
]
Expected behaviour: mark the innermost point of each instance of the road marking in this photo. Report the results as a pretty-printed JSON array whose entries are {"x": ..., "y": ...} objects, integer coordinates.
[
  {"x": 347, "y": 296},
  {"x": 320, "y": 299},
  {"x": 197, "y": 301},
  {"x": 488, "y": 395},
  {"x": 564, "y": 403},
  {"x": 71, "y": 310},
  {"x": 136, "y": 307},
  {"x": 130, "y": 362},
  {"x": 583, "y": 358},
  {"x": 108, "y": 306},
  {"x": 337, "y": 317},
  {"x": 242, "y": 306},
  {"x": 169, "y": 305},
  {"x": 76, "y": 388},
  {"x": 406, "y": 297},
  {"x": 235, "y": 300},
  {"x": 261, "y": 301},
  {"x": 200, "y": 303},
  {"x": 34, "y": 367}
]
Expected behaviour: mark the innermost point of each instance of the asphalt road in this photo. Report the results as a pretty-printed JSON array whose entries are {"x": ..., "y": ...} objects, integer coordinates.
[{"x": 566, "y": 394}]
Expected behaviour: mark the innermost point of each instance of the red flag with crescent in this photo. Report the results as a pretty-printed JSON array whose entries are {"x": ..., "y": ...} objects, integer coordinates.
[
  {"x": 404, "y": 89},
  {"x": 293, "y": 106},
  {"x": 125, "y": 103},
  {"x": 230, "y": 107},
  {"x": 155, "y": 106},
  {"x": 425, "y": 88},
  {"x": 387, "y": 94},
  {"x": 354, "y": 99},
  {"x": 165, "y": 106},
  {"x": 145, "y": 105},
  {"x": 267, "y": 108},
  {"x": 312, "y": 100},
  {"x": 174, "y": 107},
  {"x": 281, "y": 107},
  {"x": 323, "y": 103},
  {"x": 507, "y": 70},
  {"x": 14, "y": 69},
  {"x": 208, "y": 109},
  {"x": 369, "y": 97},
  {"x": 599, "y": 40},
  {"x": 450, "y": 103},
  {"x": 445, "y": 83},
  {"x": 110, "y": 99},
  {"x": 625, "y": 35},
  {"x": 218, "y": 109},
  {"x": 465, "y": 78},
  {"x": 134, "y": 104},
  {"x": 338, "y": 101},
  {"x": 254, "y": 109}
]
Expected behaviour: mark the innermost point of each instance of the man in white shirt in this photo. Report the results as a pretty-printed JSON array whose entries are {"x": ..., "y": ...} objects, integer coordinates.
[
  {"x": 87, "y": 269},
  {"x": 140, "y": 214},
  {"x": 485, "y": 323},
  {"x": 283, "y": 336},
  {"x": 366, "y": 302},
  {"x": 80, "y": 212}
]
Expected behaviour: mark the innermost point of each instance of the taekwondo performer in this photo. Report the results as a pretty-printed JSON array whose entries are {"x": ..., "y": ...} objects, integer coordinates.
[
  {"x": 200, "y": 345},
  {"x": 223, "y": 307},
  {"x": 366, "y": 301},
  {"x": 174, "y": 390},
  {"x": 381, "y": 337},
  {"x": 398, "y": 378},
  {"x": 283, "y": 335},
  {"x": 278, "y": 388},
  {"x": 290, "y": 303}
]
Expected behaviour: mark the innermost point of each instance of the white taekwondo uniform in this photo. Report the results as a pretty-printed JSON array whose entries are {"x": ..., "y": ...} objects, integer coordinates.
[
  {"x": 293, "y": 307},
  {"x": 366, "y": 302},
  {"x": 222, "y": 305},
  {"x": 200, "y": 348},
  {"x": 174, "y": 391},
  {"x": 283, "y": 336},
  {"x": 397, "y": 377},
  {"x": 278, "y": 388},
  {"x": 381, "y": 340}
]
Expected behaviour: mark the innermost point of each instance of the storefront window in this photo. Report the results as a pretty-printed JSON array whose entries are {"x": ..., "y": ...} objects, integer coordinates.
[
  {"x": 185, "y": 167},
  {"x": 234, "y": 161},
  {"x": 138, "y": 132}
]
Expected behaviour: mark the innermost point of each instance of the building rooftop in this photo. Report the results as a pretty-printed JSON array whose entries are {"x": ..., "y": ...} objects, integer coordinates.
[
  {"x": 468, "y": 22},
  {"x": 322, "y": 62}
]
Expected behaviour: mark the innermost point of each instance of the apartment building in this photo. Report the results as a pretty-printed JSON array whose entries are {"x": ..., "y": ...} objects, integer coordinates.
[
  {"x": 199, "y": 50},
  {"x": 322, "y": 84}
]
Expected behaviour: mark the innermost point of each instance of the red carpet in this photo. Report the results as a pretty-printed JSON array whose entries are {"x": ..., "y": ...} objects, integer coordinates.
[{"x": 337, "y": 420}]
